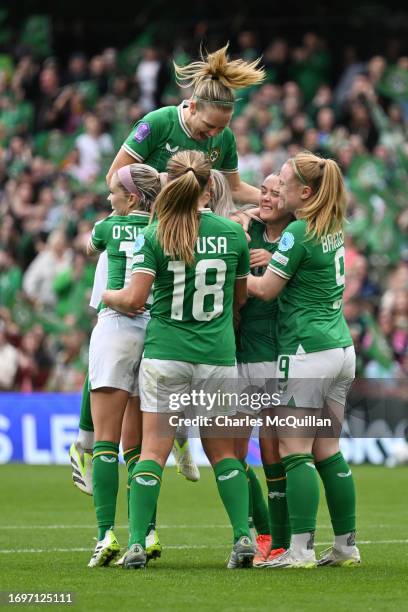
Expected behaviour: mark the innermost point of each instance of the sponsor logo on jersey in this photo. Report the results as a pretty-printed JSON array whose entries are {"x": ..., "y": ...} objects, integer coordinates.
[
  {"x": 277, "y": 494},
  {"x": 139, "y": 242},
  {"x": 146, "y": 483},
  {"x": 344, "y": 474},
  {"x": 214, "y": 155},
  {"x": 280, "y": 258},
  {"x": 286, "y": 242},
  {"x": 228, "y": 476},
  {"x": 142, "y": 132},
  {"x": 138, "y": 258},
  {"x": 108, "y": 459},
  {"x": 171, "y": 149}
]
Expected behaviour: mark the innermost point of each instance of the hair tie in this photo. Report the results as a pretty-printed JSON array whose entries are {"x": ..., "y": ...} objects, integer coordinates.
[
  {"x": 125, "y": 177},
  {"x": 215, "y": 77},
  {"x": 188, "y": 170},
  {"x": 298, "y": 173}
]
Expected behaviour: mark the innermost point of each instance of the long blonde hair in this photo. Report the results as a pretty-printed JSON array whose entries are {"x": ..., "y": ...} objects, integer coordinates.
[
  {"x": 221, "y": 202},
  {"x": 214, "y": 78},
  {"x": 325, "y": 211},
  {"x": 176, "y": 205}
]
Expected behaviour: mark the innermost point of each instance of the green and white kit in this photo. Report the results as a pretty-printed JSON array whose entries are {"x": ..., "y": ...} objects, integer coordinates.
[
  {"x": 311, "y": 324},
  {"x": 117, "y": 341},
  {"x": 257, "y": 347},
  {"x": 163, "y": 132},
  {"x": 191, "y": 315}
]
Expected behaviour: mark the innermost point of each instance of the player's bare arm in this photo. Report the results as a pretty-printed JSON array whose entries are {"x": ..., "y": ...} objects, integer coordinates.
[
  {"x": 266, "y": 287},
  {"x": 131, "y": 298}
]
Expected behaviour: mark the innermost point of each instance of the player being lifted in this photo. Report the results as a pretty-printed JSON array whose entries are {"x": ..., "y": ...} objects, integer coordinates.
[
  {"x": 115, "y": 350},
  {"x": 316, "y": 362},
  {"x": 199, "y": 263},
  {"x": 200, "y": 123},
  {"x": 257, "y": 352}
]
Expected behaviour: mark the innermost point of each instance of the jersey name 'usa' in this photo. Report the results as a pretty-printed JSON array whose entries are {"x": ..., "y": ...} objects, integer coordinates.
[{"x": 211, "y": 244}]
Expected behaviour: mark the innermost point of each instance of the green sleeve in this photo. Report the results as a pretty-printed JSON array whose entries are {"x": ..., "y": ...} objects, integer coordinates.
[
  {"x": 98, "y": 236},
  {"x": 243, "y": 259},
  {"x": 145, "y": 136},
  {"x": 144, "y": 255},
  {"x": 229, "y": 162},
  {"x": 291, "y": 250}
]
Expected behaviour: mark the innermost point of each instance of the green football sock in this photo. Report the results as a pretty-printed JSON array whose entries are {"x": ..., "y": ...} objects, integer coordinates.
[
  {"x": 144, "y": 492},
  {"x": 250, "y": 500},
  {"x": 131, "y": 457},
  {"x": 105, "y": 477},
  {"x": 278, "y": 508},
  {"x": 232, "y": 486},
  {"x": 85, "y": 418},
  {"x": 260, "y": 510},
  {"x": 340, "y": 492},
  {"x": 302, "y": 492}
]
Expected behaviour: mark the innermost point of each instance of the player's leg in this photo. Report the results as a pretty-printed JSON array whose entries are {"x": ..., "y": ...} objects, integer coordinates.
[
  {"x": 145, "y": 484},
  {"x": 258, "y": 519},
  {"x": 275, "y": 476},
  {"x": 233, "y": 489},
  {"x": 336, "y": 474},
  {"x": 108, "y": 406},
  {"x": 251, "y": 378},
  {"x": 157, "y": 441},
  {"x": 132, "y": 445},
  {"x": 80, "y": 452}
]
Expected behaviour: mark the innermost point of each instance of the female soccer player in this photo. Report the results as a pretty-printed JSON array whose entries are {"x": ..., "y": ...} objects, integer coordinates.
[
  {"x": 314, "y": 344},
  {"x": 200, "y": 123},
  {"x": 116, "y": 345},
  {"x": 257, "y": 352},
  {"x": 199, "y": 263}
]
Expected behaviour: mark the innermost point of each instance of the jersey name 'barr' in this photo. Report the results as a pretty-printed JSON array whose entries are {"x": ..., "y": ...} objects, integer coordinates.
[{"x": 331, "y": 242}]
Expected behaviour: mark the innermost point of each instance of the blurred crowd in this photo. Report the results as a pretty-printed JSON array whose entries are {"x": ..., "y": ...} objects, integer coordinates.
[{"x": 61, "y": 123}]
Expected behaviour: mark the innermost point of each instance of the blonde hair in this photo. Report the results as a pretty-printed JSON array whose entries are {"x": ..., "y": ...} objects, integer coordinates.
[
  {"x": 147, "y": 181},
  {"x": 221, "y": 202},
  {"x": 214, "y": 78},
  {"x": 176, "y": 206},
  {"x": 325, "y": 210}
]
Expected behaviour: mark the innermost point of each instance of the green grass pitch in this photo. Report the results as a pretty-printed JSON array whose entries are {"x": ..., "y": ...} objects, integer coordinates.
[{"x": 47, "y": 530}]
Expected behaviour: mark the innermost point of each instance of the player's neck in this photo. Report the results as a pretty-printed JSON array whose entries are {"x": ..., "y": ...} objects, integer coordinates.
[
  {"x": 187, "y": 118},
  {"x": 274, "y": 231}
]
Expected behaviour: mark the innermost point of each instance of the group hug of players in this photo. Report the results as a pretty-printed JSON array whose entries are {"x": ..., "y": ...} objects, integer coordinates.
[{"x": 193, "y": 294}]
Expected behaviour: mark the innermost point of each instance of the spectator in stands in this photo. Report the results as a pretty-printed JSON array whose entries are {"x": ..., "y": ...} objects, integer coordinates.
[{"x": 40, "y": 275}]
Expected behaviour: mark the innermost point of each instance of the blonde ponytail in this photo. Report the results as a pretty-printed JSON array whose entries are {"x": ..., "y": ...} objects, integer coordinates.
[
  {"x": 176, "y": 205},
  {"x": 325, "y": 210},
  {"x": 215, "y": 78}
]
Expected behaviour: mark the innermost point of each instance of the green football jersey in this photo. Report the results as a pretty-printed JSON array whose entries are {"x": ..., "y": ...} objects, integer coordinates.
[
  {"x": 117, "y": 234},
  {"x": 311, "y": 305},
  {"x": 257, "y": 331},
  {"x": 191, "y": 315},
  {"x": 163, "y": 132}
]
